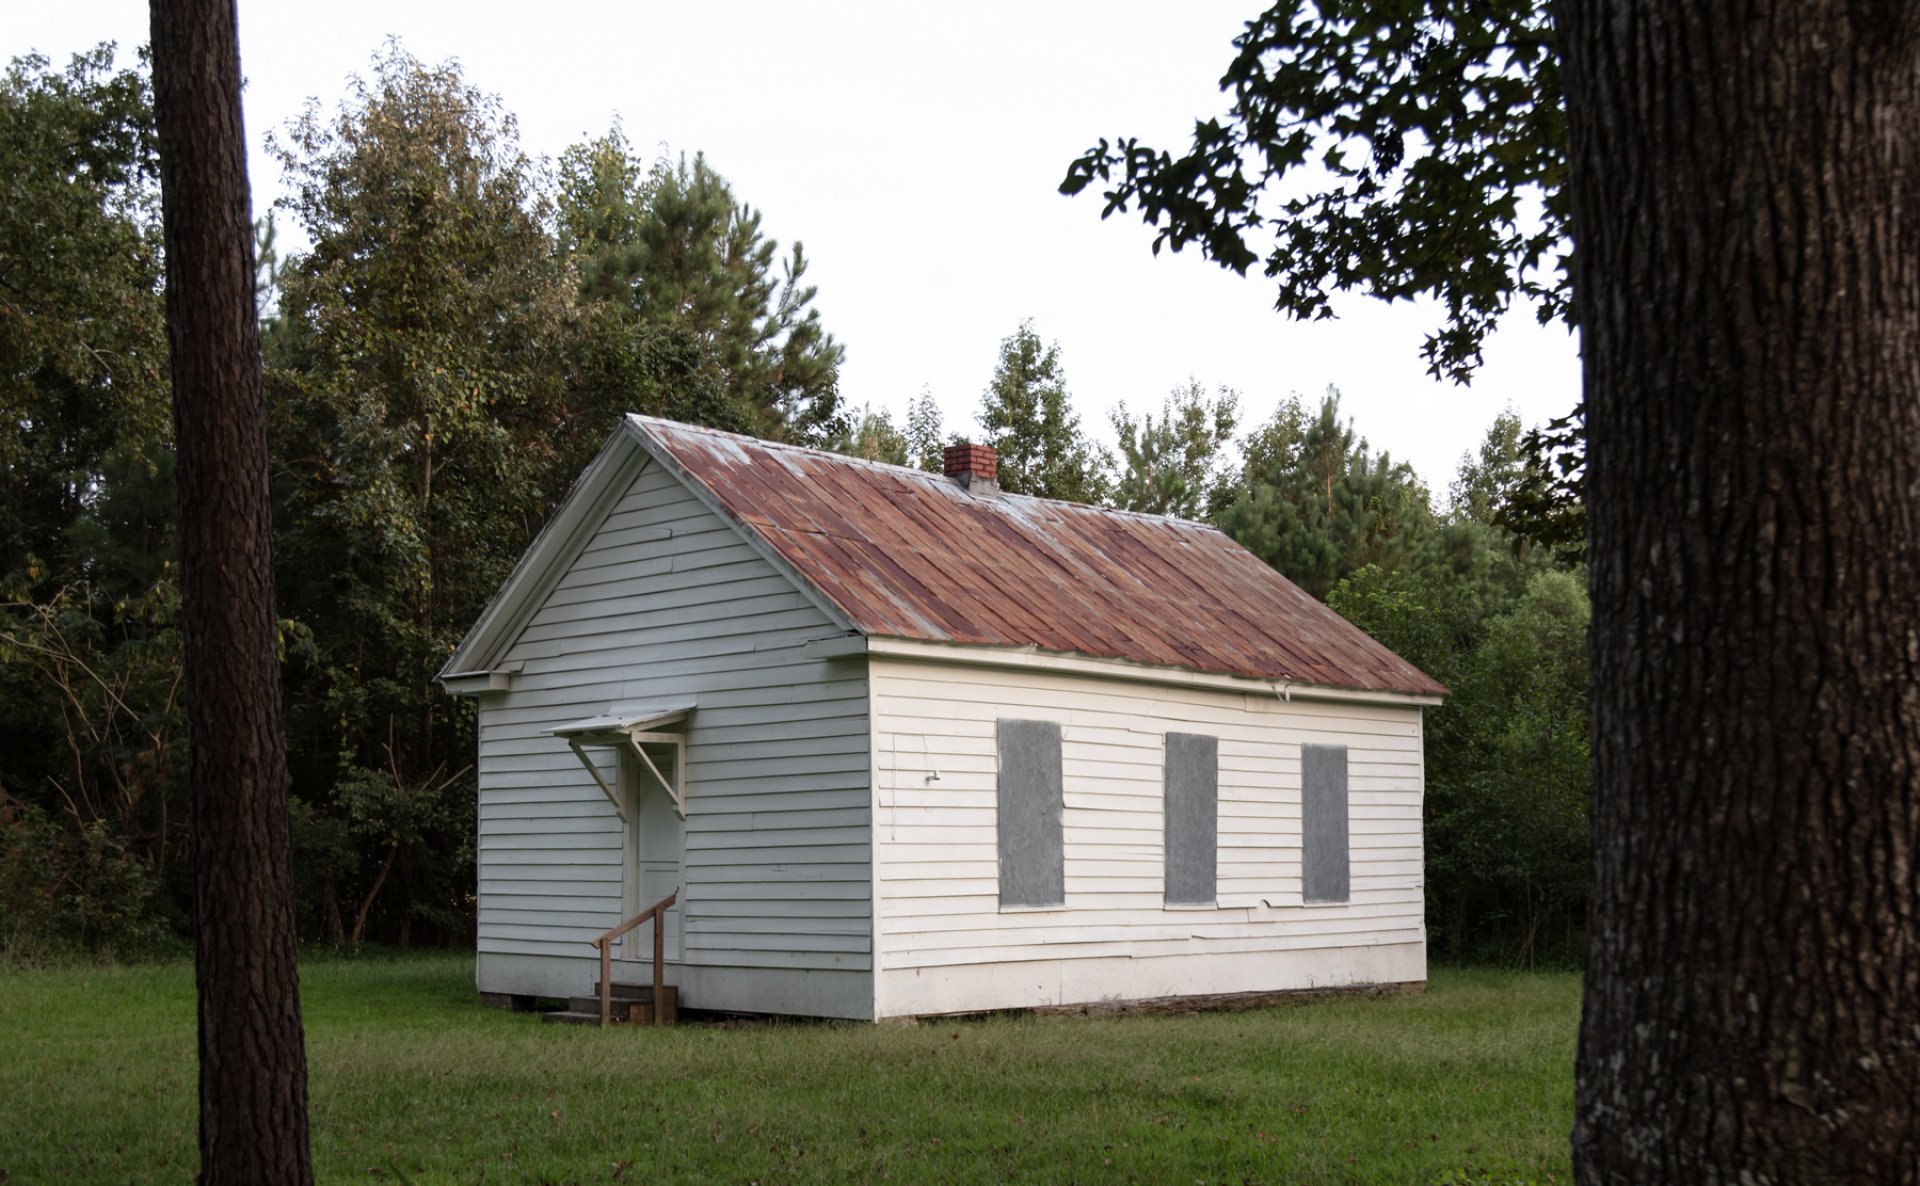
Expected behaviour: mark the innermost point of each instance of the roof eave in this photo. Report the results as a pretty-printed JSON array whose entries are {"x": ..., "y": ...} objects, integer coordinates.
[
  {"x": 1035, "y": 659},
  {"x": 542, "y": 564}
]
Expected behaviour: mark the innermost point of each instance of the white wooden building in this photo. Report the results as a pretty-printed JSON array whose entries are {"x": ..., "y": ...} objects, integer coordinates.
[{"x": 905, "y": 744}]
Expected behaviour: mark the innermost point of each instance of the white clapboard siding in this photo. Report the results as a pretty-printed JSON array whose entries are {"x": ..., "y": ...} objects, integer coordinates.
[
  {"x": 667, "y": 600},
  {"x": 936, "y": 847}
]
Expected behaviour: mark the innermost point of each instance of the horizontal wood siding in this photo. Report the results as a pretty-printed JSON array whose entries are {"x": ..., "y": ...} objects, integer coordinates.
[
  {"x": 667, "y": 600},
  {"x": 936, "y": 837}
]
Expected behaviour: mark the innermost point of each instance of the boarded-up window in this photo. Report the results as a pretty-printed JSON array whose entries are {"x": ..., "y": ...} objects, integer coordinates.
[
  {"x": 1324, "y": 857},
  {"x": 1193, "y": 820},
  {"x": 1032, "y": 861}
]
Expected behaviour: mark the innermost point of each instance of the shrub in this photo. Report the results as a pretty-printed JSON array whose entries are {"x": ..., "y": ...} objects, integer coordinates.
[{"x": 76, "y": 890}]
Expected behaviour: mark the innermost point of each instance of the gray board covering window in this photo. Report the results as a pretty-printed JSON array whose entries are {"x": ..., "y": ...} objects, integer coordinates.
[
  {"x": 1323, "y": 823},
  {"x": 1032, "y": 859},
  {"x": 1192, "y": 818}
]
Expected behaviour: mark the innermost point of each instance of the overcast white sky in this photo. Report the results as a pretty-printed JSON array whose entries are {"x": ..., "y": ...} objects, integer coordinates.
[{"x": 915, "y": 150}]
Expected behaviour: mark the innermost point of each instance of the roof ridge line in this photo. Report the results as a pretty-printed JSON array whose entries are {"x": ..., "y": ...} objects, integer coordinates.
[{"x": 912, "y": 471}]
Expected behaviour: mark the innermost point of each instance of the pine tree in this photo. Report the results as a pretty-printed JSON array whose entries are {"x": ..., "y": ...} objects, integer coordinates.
[
  {"x": 691, "y": 319},
  {"x": 1315, "y": 502},
  {"x": 252, "y": 1055}
]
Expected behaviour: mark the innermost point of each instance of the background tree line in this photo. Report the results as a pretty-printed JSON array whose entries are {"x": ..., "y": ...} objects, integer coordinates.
[{"x": 442, "y": 360}]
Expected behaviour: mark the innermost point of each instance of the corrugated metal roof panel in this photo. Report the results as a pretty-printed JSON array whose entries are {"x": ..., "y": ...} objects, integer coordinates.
[{"x": 908, "y": 554}]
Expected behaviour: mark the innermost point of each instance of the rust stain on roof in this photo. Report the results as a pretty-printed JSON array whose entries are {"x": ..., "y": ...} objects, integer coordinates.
[{"x": 908, "y": 554}]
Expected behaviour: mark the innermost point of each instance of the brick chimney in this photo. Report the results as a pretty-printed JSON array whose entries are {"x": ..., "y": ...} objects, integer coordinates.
[{"x": 973, "y": 466}]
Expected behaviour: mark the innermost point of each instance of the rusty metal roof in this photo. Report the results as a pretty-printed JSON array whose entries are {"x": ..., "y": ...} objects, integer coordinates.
[{"x": 911, "y": 555}]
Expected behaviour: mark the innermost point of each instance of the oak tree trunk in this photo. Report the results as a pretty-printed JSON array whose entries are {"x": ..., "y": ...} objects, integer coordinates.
[
  {"x": 1746, "y": 183},
  {"x": 253, "y": 1075}
]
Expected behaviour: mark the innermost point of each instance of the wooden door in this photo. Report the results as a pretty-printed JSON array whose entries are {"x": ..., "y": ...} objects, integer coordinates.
[{"x": 656, "y": 854}]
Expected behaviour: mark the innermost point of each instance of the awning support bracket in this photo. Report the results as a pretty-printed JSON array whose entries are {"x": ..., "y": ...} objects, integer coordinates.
[
  {"x": 639, "y": 725},
  {"x": 673, "y": 792},
  {"x": 613, "y": 797}
]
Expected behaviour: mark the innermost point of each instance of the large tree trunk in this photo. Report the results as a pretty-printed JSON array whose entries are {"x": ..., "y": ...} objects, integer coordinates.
[
  {"x": 1745, "y": 201},
  {"x": 253, "y": 1073}
]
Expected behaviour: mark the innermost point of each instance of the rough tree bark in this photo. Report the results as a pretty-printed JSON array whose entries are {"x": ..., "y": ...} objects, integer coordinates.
[
  {"x": 253, "y": 1074},
  {"x": 1745, "y": 202}
]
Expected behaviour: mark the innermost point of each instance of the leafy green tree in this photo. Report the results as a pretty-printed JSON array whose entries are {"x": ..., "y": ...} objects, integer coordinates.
[
  {"x": 1314, "y": 501},
  {"x": 1528, "y": 696},
  {"x": 1172, "y": 466},
  {"x": 1506, "y": 807},
  {"x": 1526, "y": 483},
  {"x": 1432, "y": 135},
  {"x": 1431, "y": 143},
  {"x": 403, "y": 818},
  {"x": 876, "y": 438},
  {"x": 1548, "y": 504},
  {"x": 422, "y": 432},
  {"x": 1503, "y": 627},
  {"x": 1487, "y": 479},
  {"x": 925, "y": 446},
  {"x": 1029, "y": 420},
  {"x": 82, "y": 325},
  {"x": 603, "y": 194},
  {"x": 90, "y": 716}
]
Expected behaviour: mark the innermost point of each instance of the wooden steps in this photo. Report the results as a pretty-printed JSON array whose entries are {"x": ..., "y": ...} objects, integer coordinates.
[{"x": 632, "y": 1004}]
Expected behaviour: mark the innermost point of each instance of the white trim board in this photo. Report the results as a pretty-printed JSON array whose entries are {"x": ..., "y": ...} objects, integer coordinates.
[{"x": 1035, "y": 659}]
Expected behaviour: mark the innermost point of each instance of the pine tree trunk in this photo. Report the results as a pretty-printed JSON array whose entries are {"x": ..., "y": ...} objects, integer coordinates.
[
  {"x": 1746, "y": 183},
  {"x": 253, "y": 1075}
]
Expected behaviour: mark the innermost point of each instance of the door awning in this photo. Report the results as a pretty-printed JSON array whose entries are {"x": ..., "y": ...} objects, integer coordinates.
[
  {"x": 629, "y": 725},
  {"x": 623, "y": 720}
]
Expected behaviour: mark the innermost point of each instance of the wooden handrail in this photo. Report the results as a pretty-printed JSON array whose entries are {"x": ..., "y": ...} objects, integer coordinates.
[{"x": 657, "y": 912}]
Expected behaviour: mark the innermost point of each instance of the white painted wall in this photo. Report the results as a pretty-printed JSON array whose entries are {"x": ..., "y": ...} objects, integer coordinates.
[
  {"x": 944, "y": 945},
  {"x": 668, "y": 600}
]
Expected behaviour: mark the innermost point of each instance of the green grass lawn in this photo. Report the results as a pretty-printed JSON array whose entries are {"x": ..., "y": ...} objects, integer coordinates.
[{"x": 1470, "y": 1082}]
